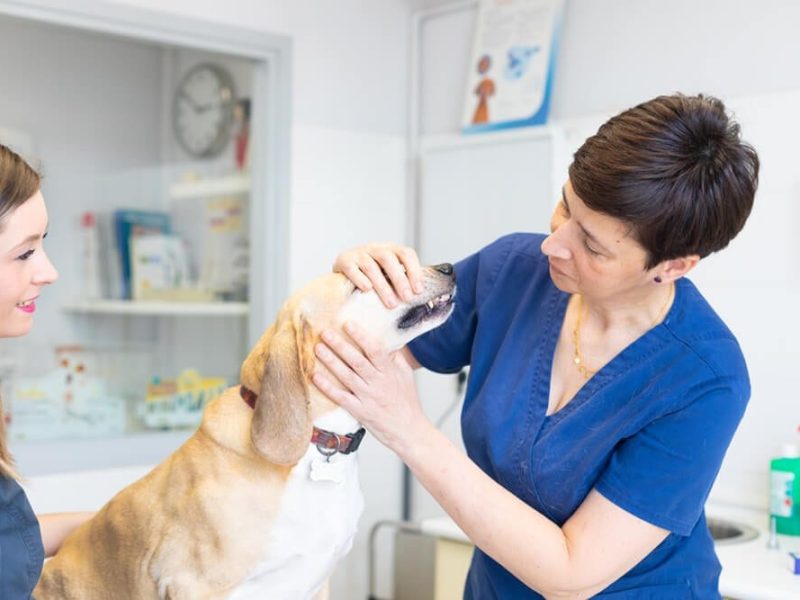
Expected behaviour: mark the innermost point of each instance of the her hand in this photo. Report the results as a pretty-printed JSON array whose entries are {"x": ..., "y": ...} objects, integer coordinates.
[
  {"x": 390, "y": 269},
  {"x": 379, "y": 386}
]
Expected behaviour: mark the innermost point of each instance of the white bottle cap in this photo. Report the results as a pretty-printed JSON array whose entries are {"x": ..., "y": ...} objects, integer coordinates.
[{"x": 790, "y": 451}]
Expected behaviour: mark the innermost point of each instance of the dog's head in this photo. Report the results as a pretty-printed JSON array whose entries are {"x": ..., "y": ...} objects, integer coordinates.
[{"x": 279, "y": 368}]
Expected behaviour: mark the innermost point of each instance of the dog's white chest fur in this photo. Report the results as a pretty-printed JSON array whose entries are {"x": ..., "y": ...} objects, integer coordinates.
[{"x": 315, "y": 526}]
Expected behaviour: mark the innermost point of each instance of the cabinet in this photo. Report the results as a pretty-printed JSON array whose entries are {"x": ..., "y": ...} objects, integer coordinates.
[
  {"x": 129, "y": 380},
  {"x": 432, "y": 563},
  {"x": 105, "y": 381}
]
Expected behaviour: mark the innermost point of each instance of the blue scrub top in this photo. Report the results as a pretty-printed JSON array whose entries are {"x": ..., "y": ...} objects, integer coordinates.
[
  {"x": 648, "y": 431},
  {"x": 21, "y": 550}
]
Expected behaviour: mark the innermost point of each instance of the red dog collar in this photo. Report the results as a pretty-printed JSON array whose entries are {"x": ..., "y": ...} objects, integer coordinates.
[{"x": 327, "y": 442}]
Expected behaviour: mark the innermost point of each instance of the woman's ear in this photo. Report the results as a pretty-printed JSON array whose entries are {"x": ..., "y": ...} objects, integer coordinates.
[{"x": 675, "y": 268}]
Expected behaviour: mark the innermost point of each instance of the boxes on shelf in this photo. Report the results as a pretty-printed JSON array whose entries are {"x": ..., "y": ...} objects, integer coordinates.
[
  {"x": 178, "y": 403},
  {"x": 129, "y": 225},
  {"x": 216, "y": 230},
  {"x": 226, "y": 258},
  {"x": 79, "y": 395},
  {"x": 141, "y": 258},
  {"x": 159, "y": 266}
]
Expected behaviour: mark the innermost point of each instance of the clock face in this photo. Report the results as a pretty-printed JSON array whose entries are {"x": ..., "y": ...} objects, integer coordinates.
[{"x": 203, "y": 110}]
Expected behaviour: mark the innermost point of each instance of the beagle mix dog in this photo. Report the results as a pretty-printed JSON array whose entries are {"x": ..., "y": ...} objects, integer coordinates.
[{"x": 263, "y": 499}]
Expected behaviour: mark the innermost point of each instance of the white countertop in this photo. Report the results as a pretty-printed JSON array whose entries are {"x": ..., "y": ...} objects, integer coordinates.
[{"x": 750, "y": 571}]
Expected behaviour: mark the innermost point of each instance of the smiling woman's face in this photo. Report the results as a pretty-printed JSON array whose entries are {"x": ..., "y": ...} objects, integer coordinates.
[{"x": 24, "y": 266}]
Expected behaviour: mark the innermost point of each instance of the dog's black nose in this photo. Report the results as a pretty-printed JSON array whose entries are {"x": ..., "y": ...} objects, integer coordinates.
[{"x": 445, "y": 268}]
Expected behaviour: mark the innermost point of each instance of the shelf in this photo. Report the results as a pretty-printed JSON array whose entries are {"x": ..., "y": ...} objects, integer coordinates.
[
  {"x": 60, "y": 456},
  {"x": 218, "y": 186},
  {"x": 127, "y": 307}
]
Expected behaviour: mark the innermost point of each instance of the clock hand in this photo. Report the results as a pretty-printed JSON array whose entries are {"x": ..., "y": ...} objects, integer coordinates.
[
  {"x": 195, "y": 107},
  {"x": 206, "y": 107}
]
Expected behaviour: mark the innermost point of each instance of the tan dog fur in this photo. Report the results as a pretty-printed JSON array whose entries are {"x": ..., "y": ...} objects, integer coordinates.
[{"x": 199, "y": 524}]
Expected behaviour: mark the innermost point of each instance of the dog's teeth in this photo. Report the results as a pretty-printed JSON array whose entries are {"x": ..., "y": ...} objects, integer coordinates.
[{"x": 438, "y": 300}]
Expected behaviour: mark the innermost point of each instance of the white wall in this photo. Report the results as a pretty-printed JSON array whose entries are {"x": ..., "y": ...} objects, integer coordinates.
[
  {"x": 615, "y": 53},
  {"x": 618, "y": 52},
  {"x": 349, "y": 55}
]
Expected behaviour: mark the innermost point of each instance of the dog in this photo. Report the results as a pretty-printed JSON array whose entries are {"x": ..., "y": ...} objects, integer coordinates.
[{"x": 263, "y": 499}]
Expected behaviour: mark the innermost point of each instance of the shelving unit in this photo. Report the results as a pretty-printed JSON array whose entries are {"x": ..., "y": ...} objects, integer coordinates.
[
  {"x": 238, "y": 183},
  {"x": 211, "y": 337},
  {"x": 128, "y": 307}
]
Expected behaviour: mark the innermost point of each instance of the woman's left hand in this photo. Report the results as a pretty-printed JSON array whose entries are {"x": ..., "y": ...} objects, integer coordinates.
[{"x": 379, "y": 386}]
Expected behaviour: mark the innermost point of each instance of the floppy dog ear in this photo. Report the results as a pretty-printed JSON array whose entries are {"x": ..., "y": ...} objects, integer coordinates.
[{"x": 281, "y": 427}]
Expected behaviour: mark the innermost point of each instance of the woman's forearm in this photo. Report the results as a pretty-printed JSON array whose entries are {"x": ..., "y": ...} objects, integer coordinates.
[
  {"x": 55, "y": 527},
  {"x": 598, "y": 544},
  {"x": 524, "y": 541}
]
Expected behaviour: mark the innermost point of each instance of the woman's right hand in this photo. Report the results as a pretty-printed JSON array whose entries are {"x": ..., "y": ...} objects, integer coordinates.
[{"x": 389, "y": 269}]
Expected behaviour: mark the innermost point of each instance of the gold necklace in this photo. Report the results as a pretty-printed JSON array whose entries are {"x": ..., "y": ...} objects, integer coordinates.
[{"x": 578, "y": 358}]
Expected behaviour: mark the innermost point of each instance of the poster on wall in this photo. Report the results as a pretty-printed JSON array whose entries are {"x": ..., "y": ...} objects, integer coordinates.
[{"x": 513, "y": 60}]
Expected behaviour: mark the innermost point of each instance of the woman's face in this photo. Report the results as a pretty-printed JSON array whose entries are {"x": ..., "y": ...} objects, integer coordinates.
[
  {"x": 591, "y": 253},
  {"x": 24, "y": 266}
]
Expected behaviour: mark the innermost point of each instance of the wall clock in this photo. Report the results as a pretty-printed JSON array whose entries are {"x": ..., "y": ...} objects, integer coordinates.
[{"x": 202, "y": 110}]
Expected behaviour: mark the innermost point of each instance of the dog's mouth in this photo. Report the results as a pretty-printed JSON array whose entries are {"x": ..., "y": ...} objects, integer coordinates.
[{"x": 432, "y": 309}]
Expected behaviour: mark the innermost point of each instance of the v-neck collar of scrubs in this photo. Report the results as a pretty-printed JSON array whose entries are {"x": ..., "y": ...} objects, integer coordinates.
[{"x": 627, "y": 357}]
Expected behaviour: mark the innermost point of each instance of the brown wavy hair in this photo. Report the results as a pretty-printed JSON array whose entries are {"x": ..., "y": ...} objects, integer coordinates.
[
  {"x": 676, "y": 170},
  {"x": 18, "y": 182}
]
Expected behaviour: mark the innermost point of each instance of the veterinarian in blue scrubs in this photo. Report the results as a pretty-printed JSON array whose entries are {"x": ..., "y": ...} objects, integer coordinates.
[
  {"x": 24, "y": 271},
  {"x": 603, "y": 389}
]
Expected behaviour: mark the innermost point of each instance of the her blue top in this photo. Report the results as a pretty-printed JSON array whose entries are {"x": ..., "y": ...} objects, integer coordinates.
[
  {"x": 648, "y": 431},
  {"x": 21, "y": 549}
]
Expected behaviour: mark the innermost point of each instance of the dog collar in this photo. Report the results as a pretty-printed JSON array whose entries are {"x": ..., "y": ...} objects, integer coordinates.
[{"x": 328, "y": 443}]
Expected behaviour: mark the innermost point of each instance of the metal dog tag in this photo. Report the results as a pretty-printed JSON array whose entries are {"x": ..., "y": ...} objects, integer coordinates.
[{"x": 323, "y": 470}]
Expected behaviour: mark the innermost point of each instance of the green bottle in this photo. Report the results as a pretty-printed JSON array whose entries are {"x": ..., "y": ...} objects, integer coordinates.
[{"x": 784, "y": 502}]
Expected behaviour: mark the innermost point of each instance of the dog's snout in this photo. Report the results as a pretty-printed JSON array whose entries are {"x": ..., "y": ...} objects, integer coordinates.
[{"x": 444, "y": 268}]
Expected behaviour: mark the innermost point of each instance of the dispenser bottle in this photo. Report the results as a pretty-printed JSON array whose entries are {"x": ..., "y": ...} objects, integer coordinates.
[
  {"x": 784, "y": 503},
  {"x": 91, "y": 257}
]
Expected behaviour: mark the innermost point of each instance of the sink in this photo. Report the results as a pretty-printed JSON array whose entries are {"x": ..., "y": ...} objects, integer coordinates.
[{"x": 725, "y": 532}]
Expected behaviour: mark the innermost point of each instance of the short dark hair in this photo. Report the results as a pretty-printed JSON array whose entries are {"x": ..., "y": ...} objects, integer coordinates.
[{"x": 676, "y": 170}]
